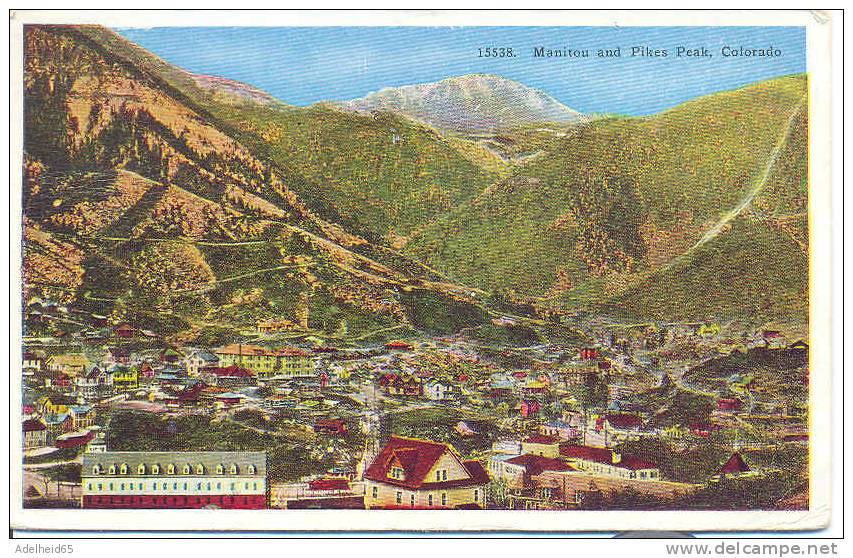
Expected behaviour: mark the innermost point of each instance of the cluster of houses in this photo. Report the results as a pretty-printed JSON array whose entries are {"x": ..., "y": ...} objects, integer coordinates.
[
  {"x": 570, "y": 411},
  {"x": 57, "y": 420},
  {"x": 538, "y": 472},
  {"x": 547, "y": 472},
  {"x": 63, "y": 388}
]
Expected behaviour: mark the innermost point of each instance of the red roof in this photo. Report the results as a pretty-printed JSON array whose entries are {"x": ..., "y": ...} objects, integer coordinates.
[
  {"x": 74, "y": 440},
  {"x": 334, "y": 425},
  {"x": 416, "y": 458},
  {"x": 735, "y": 464},
  {"x": 541, "y": 439},
  {"x": 624, "y": 421},
  {"x": 191, "y": 393},
  {"x": 729, "y": 404},
  {"x": 397, "y": 345},
  {"x": 604, "y": 456},
  {"x": 329, "y": 484},
  {"x": 531, "y": 404},
  {"x": 291, "y": 352},
  {"x": 535, "y": 464},
  {"x": 33, "y": 425}
]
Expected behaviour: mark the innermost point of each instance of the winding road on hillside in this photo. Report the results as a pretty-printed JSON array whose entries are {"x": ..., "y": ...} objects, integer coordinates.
[{"x": 757, "y": 186}]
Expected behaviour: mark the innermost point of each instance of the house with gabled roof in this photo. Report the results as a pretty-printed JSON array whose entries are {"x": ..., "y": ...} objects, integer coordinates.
[
  {"x": 199, "y": 359},
  {"x": 440, "y": 390},
  {"x": 72, "y": 364},
  {"x": 82, "y": 416},
  {"x": 35, "y": 434},
  {"x": 170, "y": 355},
  {"x": 54, "y": 403},
  {"x": 733, "y": 467},
  {"x": 124, "y": 331},
  {"x": 229, "y": 376},
  {"x": 410, "y": 473},
  {"x": 59, "y": 381},
  {"x": 117, "y": 355},
  {"x": 528, "y": 407},
  {"x": 95, "y": 383},
  {"x": 146, "y": 373}
]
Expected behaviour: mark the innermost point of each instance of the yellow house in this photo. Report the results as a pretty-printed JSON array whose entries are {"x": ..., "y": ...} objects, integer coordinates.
[
  {"x": 72, "y": 364},
  {"x": 707, "y": 330},
  {"x": 542, "y": 445},
  {"x": 125, "y": 378},
  {"x": 294, "y": 363},
  {"x": 266, "y": 363},
  {"x": 82, "y": 416},
  {"x": 410, "y": 473},
  {"x": 54, "y": 404}
]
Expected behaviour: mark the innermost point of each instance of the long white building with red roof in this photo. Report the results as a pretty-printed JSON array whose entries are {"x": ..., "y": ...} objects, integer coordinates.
[
  {"x": 607, "y": 462},
  {"x": 140, "y": 480}
]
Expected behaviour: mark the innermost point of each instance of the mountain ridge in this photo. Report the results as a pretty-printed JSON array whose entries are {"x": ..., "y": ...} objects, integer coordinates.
[
  {"x": 189, "y": 227},
  {"x": 361, "y": 216},
  {"x": 468, "y": 103},
  {"x": 579, "y": 226}
]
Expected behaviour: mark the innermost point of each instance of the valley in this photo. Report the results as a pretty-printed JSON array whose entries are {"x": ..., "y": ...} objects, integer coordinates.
[{"x": 468, "y": 263}]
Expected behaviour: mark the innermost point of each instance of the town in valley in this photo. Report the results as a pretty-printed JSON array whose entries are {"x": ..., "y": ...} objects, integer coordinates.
[
  {"x": 453, "y": 295},
  {"x": 641, "y": 416}
]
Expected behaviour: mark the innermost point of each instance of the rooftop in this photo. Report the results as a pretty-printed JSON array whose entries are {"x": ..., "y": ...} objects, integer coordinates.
[
  {"x": 605, "y": 457},
  {"x": 535, "y": 464},
  {"x": 417, "y": 457},
  {"x": 208, "y": 459},
  {"x": 541, "y": 439},
  {"x": 33, "y": 425}
]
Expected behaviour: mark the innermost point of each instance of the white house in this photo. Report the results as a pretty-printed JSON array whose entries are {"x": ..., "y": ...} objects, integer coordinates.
[
  {"x": 439, "y": 390},
  {"x": 198, "y": 360}
]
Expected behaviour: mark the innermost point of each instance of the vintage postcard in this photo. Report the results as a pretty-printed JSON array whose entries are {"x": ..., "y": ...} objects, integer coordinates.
[{"x": 536, "y": 271}]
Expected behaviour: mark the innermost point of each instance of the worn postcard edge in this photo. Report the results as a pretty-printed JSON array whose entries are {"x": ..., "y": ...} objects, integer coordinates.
[{"x": 818, "y": 33}]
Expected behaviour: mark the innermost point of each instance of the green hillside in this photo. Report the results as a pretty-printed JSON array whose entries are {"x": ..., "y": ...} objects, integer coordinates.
[
  {"x": 381, "y": 174},
  {"x": 376, "y": 221},
  {"x": 142, "y": 204},
  {"x": 609, "y": 215}
]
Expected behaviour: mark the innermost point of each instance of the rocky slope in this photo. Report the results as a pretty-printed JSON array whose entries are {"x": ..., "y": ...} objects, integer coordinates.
[{"x": 469, "y": 103}]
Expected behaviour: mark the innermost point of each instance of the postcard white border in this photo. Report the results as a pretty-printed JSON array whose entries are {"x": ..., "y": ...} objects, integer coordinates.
[{"x": 818, "y": 34}]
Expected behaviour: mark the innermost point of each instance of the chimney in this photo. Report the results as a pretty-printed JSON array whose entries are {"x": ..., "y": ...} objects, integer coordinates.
[{"x": 615, "y": 457}]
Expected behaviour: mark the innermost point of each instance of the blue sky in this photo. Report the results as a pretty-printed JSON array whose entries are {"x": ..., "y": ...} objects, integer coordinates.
[{"x": 304, "y": 65}]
